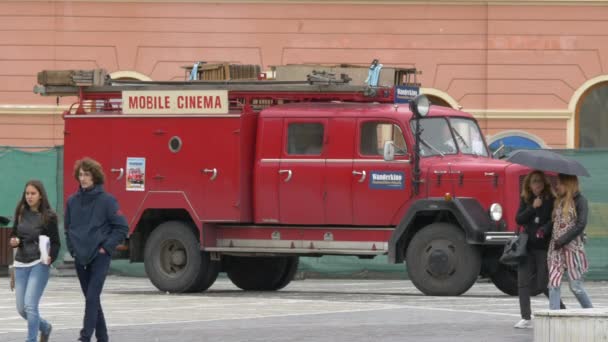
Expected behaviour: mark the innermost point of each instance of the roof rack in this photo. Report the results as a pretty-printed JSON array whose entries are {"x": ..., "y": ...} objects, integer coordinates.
[{"x": 319, "y": 86}]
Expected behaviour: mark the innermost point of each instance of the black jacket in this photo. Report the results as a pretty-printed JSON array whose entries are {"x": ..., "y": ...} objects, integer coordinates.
[
  {"x": 582, "y": 210},
  {"x": 28, "y": 233},
  {"x": 526, "y": 217}
]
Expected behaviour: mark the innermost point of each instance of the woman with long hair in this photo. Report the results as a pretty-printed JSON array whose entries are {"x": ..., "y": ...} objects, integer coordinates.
[
  {"x": 33, "y": 218},
  {"x": 535, "y": 208},
  {"x": 566, "y": 249}
]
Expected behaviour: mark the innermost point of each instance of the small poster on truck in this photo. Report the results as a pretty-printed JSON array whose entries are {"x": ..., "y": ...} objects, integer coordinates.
[{"x": 136, "y": 172}]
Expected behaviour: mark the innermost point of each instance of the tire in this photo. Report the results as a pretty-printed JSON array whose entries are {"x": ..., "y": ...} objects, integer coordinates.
[
  {"x": 505, "y": 279},
  {"x": 173, "y": 260},
  {"x": 440, "y": 262},
  {"x": 290, "y": 271},
  {"x": 207, "y": 275},
  {"x": 260, "y": 273}
]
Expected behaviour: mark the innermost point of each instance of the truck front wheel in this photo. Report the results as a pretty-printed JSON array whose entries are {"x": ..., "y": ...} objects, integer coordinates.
[
  {"x": 174, "y": 262},
  {"x": 440, "y": 262},
  {"x": 261, "y": 273}
]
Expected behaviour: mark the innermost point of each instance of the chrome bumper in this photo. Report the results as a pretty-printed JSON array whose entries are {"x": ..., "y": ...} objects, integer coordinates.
[{"x": 498, "y": 238}]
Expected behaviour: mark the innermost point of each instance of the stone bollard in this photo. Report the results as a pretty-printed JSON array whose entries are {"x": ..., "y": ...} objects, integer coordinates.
[{"x": 572, "y": 325}]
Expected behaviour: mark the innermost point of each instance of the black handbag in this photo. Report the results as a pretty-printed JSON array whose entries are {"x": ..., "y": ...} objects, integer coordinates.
[{"x": 515, "y": 249}]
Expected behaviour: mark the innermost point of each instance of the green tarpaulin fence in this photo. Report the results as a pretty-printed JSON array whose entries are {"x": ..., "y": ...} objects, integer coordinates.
[{"x": 19, "y": 166}]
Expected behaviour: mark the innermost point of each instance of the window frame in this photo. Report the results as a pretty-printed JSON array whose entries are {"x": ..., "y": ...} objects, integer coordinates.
[
  {"x": 295, "y": 121},
  {"x": 359, "y": 136}
]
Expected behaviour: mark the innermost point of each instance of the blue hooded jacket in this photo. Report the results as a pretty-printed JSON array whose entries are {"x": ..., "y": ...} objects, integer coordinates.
[{"x": 93, "y": 220}]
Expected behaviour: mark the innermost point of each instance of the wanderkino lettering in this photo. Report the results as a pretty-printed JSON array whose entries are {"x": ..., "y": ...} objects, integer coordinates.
[
  {"x": 175, "y": 102},
  {"x": 387, "y": 177},
  {"x": 403, "y": 93},
  {"x": 387, "y": 180},
  {"x": 407, "y": 92}
]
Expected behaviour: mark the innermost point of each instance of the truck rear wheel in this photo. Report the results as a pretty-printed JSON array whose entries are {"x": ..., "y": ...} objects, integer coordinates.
[
  {"x": 505, "y": 279},
  {"x": 291, "y": 268},
  {"x": 174, "y": 262},
  {"x": 261, "y": 273},
  {"x": 440, "y": 262}
]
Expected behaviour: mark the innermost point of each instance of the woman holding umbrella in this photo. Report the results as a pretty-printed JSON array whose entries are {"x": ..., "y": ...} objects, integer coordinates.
[
  {"x": 566, "y": 249},
  {"x": 569, "y": 219},
  {"x": 535, "y": 208}
]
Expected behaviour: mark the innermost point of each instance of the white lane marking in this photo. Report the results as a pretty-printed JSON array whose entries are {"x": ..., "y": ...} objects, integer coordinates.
[{"x": 395, "y": 307}]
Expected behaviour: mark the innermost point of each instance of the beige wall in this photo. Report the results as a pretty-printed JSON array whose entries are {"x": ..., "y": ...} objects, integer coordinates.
[{"x": 515, "y": 65}]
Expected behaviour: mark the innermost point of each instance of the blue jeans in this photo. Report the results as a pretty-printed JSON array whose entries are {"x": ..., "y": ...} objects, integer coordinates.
[
  {"x": 29, "y": 286},
  {"x": 576, "y": 286},
  {"x": 92, "y": 278}
]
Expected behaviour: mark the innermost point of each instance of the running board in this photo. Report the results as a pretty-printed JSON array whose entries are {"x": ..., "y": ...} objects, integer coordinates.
[{"x": 292, "y": 251}]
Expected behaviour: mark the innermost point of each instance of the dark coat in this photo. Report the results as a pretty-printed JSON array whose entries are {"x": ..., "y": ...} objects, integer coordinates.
[
  {"x": 526, "y": 217},
  {"x": 93, "y": 220},
  {"x": 29, "y": 232}
]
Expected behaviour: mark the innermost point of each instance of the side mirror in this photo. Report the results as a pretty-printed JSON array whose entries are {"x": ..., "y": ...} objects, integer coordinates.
[{"x": 389, "y": 150}]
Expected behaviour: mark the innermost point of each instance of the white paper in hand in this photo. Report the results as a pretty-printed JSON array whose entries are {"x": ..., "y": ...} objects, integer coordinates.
[{"x": 45, "y": 248}]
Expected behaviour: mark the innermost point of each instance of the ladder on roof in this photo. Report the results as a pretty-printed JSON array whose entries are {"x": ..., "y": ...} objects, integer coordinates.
[
  {"x": 82, "y": 82},
  {"x": 99, "y": 93}
]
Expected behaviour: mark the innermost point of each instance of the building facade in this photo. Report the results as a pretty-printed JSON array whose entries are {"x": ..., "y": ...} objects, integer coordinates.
[{"x": 533, "y": 73}]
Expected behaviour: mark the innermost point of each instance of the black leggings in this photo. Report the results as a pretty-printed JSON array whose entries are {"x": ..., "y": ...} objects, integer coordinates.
[{"x": 534, "y": 262}]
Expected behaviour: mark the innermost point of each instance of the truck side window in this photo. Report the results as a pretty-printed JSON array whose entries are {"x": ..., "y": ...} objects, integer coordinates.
[
  {"x": 305, "y": 138},
  {"x": 374, "y": 134}
]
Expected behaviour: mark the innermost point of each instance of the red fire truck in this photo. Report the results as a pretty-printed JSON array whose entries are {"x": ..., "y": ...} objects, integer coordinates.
[{"x": 245, "y": 177}]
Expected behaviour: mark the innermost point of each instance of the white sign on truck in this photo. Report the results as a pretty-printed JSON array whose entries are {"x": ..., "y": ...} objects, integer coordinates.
[{"x": 175, "y": 102}]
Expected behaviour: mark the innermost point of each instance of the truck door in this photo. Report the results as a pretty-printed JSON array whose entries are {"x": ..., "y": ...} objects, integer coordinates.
[
  {"x": 301, "y": 172},
  {"x": 84, "y": 136},
  {"x": 130, "y": 177},
  {"x": 437, "y": 152},
  {"x": 380, "y": 188},
  {"x": 338, "y": 171}
]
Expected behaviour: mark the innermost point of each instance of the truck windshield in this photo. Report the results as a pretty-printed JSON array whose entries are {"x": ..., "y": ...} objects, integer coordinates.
[
  {"x": 436, "y": 138},
  {"x": 467, "y": 135}
]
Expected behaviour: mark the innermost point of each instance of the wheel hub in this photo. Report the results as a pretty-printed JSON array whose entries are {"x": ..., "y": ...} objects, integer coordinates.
[
  {"x": 440, "y": 259},
  {"x": 173, "y": 258},
  {"x": 438, "y": 262},
  {"x": 178, "y": 258}
]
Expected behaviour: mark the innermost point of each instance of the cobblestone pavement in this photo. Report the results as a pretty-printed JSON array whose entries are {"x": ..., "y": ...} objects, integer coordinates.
[{"x": 307, "y": 310}]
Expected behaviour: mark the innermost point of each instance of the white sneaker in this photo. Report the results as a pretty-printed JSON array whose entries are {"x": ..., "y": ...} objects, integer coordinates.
[{"x": 524, "y": 324}]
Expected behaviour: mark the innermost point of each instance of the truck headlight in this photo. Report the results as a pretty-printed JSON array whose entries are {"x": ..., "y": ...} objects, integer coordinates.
[
  {"x": 420, "y": 106},
  {"x": 496, "y": 212}
]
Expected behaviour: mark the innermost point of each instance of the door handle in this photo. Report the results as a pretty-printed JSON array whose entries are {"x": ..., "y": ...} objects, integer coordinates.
[
  {"x": 289, "y": 174},
  {"x": 121, "y": 170},
  {"x": 440, "y": 172},
  {"x": 489, "y": 174},
  {"x": 360, "y": 173},
  {"x": 213, "y": 171}
]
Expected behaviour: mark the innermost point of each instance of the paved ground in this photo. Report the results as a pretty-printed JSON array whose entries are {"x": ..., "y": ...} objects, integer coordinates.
[{"x": 308, "y": 310}]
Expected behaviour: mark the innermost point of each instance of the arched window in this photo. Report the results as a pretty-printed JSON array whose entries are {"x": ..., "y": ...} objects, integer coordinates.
[
  {"x": 515, "y": 141},
  {"x": 592, "y": 118},
  {"x": 438, "y": 101},
  {"x": 127, "y": 75},
  {"x": 440, "y": 98}
]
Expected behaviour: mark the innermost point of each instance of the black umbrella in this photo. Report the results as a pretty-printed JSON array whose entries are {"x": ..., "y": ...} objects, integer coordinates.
[{"x": 548, "y": 161}]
